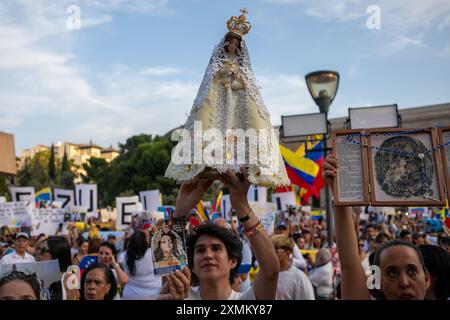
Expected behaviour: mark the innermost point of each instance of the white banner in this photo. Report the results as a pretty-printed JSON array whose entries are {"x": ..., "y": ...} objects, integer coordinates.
[
  {"x": 150, "y": 200},
  {"x": 15, "y": 214},
  {"x": 48, "y": 221},
  {"x": 257, "y": 193},
  {"x": 86, "y": 198},
  {"x": 65, "y": 197},
  {"x": 225, "y": 206},
  {"x": 2, "y": 199},
  {"x": 23, "y": 194},
  {"x": 125, "y": 206},
  {"x": 283, "y": 200},
  {"x": 47, "y": 271}
]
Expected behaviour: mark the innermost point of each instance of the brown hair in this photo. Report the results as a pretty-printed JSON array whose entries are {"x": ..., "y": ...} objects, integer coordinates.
[
  {"x": 231, "y": 35},
  {"x": 94, "y": 245}
]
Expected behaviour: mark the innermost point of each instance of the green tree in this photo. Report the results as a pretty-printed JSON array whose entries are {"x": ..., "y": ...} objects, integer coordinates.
[
  {"x": 66, "y": 175},
  {"x": 3, "y": 187},
  {"x": 51, "y": 164},
  {"x": 140, "y": 166},
  {"x": 65, "y": 165}
]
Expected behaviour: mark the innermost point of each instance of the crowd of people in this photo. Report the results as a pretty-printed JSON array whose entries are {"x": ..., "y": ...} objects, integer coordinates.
[{"x": 241, "y": 260}]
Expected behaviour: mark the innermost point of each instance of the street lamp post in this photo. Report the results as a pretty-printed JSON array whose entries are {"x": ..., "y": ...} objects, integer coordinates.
[{"x": 322, "y": 86}]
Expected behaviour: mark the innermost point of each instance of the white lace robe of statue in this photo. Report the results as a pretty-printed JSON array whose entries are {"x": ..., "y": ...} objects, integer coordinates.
[{"x": 229, "y": 100}]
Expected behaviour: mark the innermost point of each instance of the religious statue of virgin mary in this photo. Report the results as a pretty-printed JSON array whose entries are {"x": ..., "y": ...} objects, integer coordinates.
[{"x": 229, "y": 125}]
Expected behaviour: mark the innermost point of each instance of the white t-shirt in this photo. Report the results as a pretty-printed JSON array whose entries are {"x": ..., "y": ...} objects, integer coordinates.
[
  {"x": 297, "y": 258},
  {"x": 365, "y": 264},
  {"x": 295, "y": 220},
  {"x": 13, "y": 257},
  {"x": 293, "y": 284},
  {"x": 246, "y": 295},
  {"x": 143, "y": 285},
  {"x": 246, "y": 284},
  {"x": 322, "y": 279}
]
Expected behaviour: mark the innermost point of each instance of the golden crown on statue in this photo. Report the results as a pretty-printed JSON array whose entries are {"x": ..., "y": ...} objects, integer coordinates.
[{"x": 239, "y": 25}]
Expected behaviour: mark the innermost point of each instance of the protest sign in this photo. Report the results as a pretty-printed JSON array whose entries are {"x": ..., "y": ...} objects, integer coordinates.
[
  {"x": 86, "y": 197},
  {"x": 74, "y": 216},
  {"x": 48, "y": 221},
  {"x": 283, "y": 200},
  {"x": 46, "y": 271},
  {"x": 125, "y": 207},
  {"x": 15, "y": 214},
  {"x": 66, "y": 197},
  {"x": 23, "y": 194},
  {"x": 417, "y": 211},
  {"x": 150, "y": 200},
  {"x": 257, "y": 193},
  {"x": 225, "y": 206},
  {"x": 120, "y": 237},
  {"x": 2, "y": 199},
  {"x": 166, "y": 210}
]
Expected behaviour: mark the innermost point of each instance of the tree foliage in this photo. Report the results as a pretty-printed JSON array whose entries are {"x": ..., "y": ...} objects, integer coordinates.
[{"x": 140, "y": 166}]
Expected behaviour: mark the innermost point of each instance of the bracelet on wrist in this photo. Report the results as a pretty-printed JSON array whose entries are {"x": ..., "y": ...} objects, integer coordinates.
[
  {"x": 247, "y": 217},
  {"x": 258, "y": 227}
]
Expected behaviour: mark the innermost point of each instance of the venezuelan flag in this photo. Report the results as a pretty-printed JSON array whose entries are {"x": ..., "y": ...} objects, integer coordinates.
[
  {"x": 201, "y": 211},
  {"x": 44, "y": 194},
  {"x": 301, "y": 171}
]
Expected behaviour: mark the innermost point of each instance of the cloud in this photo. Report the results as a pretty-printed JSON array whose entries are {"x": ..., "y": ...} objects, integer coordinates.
[
  {"x": 132, "y": 6},
  {"x": 285, "y": 94},
  {"x": 160, "y": 71},
  {"x": 39, "y": 81},
  {"x": 444, "y": 24},
  {"x": 399, "y": 42},
  {"x": 401, "y": 21}
]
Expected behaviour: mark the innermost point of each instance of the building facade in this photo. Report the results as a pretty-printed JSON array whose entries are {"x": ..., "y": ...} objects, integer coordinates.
[{"x": 78, "y": 154}]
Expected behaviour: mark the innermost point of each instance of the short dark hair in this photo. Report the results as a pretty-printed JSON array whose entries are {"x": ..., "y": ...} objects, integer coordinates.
[
  {"x": 110, "y": 246},
  {"x": 110, "y": 278},
  {"x": 31, "y": 279},
  {"x": 404, "y": 233},
  {"x": 231, "y": 241},
  {"x": 81, "y": 240},
  {"x": 380, "y": 237}
]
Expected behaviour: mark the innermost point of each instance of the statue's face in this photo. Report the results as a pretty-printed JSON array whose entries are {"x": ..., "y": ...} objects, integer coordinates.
[{"x": 233, "y": 45}]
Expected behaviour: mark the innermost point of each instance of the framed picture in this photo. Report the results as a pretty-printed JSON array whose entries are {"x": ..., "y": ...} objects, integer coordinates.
[
  {"x": 351, "y": 186},
  {"x": 405, "y": 168},
  {"x": 168, "y": 249},
  {"x": 444, "y": 142}
]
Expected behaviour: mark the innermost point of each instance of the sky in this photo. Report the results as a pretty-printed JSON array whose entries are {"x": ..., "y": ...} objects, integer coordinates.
[{"x": 104, "y": 70}]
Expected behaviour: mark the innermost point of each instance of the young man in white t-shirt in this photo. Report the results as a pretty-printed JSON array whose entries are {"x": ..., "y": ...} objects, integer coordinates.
[{"x": 214, "y": 253}]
